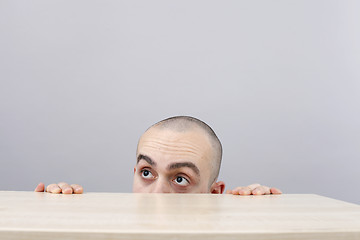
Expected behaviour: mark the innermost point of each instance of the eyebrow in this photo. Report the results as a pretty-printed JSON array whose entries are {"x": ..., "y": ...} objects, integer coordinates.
[
  {"x": 171, "y": 166},
  {"x": 147, "y": 159},
  {"x": 185, "y": 164}
]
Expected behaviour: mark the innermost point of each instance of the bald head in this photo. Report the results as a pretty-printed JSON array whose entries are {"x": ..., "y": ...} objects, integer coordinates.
[{"x": 183, "y": 124}]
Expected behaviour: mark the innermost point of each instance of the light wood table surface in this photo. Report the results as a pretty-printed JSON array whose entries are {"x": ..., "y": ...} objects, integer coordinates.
[{"x": 30, "y": 215}]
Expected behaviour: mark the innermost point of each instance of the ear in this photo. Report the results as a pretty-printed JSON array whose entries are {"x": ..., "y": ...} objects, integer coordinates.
[
  {"x": 134, "y": 170},
  {"x": 217, "y": 187}
]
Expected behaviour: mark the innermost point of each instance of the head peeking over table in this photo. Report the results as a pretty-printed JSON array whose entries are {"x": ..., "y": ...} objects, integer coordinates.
[{"x": 180, "y": 154}]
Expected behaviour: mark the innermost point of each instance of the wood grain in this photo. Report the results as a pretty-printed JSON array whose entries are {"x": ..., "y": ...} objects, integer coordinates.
[{"x": 30, "y": 215}]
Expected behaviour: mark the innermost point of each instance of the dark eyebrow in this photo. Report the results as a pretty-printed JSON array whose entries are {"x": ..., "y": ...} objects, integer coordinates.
[
  {"x": 146, "y": 158},
  {"x": 185, "y": 164}
]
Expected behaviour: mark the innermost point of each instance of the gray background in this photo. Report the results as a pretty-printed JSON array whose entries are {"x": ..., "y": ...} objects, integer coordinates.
[{"x": 277, "y": 80}]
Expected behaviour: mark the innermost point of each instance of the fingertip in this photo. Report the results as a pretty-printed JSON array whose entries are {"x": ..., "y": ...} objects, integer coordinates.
[
  {"x": 275, "y": 191},
  {"x": 235, "y": 192},
  {"x": 266, "y": 190},
  {"x": 40, "y": 187},
  {"x": 55, "y": 191},
  {"x": 258, "y": 191},
  {"x": 244, "y": 192},
  {"x": 67, "y": 190},
  {"x": 53, "y": 188},
  {"x": 78, "y": 189}
]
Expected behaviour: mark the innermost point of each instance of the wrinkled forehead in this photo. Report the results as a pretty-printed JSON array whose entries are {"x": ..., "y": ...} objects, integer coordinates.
[
  {"x": 194, "y": 137},
  {"x": 167, "y": 144}
]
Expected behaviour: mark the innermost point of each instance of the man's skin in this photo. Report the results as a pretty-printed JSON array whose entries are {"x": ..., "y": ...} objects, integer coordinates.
[{"x": 170, "y": 161}]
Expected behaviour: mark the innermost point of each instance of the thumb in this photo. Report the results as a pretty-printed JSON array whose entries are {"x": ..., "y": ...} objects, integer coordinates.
[{"x": 40, "y": 187}]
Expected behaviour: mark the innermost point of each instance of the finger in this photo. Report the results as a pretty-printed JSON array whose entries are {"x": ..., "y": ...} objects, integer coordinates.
[
  {"x": 53, "y": 188},
  {"x": 65, "y": 188},
  {"x": 275, "y": 191},
  {"x": 78, "y": 189},
  {"x": 258, "y": 191},
  {"x": 236, "y": 191},
  {"x": 266, "y": 190},
  {"x": 244, "y": 191},
  {"x": 253, "y": 186},
  {"x": 40, "y": 187}
]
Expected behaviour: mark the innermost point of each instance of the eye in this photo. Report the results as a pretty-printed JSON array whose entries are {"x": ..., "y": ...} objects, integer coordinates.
[
  {"x": 181, "y": 181},
  {"x": 146, "y": 174}
]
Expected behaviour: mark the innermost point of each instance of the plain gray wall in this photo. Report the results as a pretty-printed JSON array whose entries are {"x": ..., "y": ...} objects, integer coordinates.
[{"x": 277, "y": 80}]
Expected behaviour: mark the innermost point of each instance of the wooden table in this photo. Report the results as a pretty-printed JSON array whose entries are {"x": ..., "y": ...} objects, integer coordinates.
[{"x": 30, "y": 215}]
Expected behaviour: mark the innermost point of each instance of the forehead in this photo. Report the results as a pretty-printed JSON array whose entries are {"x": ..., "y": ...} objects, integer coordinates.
[{"x": 168, "y": 145}]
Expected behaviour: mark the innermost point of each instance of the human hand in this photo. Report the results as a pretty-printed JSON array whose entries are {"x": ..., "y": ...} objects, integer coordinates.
[
  {"x": 254, "y": 189},
  {"x": 61, "y": 187}
]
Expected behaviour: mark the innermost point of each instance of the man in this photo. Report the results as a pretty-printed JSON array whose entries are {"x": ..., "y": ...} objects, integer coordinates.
[{"x": 177, "y": 155}]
